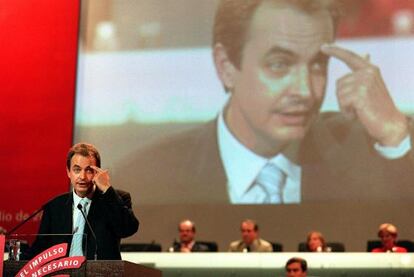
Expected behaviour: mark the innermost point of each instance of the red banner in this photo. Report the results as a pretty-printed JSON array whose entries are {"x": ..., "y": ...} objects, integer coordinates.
[
  {"x": 2, "y": 242},
  {"x": 37, "y": 77},
  {"x": 45, "y": 263},
  {"x": 46, "y": 256}
]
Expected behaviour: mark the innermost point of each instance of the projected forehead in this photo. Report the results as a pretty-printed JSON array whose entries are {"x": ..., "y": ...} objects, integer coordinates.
[
  {"x": 299, "y": 33},
  {"x": 234, "y": 18}
]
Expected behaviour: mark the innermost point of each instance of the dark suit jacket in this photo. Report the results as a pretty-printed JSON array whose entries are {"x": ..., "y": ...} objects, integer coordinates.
[
  {"x": 110, "y": 216},
  {"x": 337, "y": 157},
  {"x": 197, "y": 247}
]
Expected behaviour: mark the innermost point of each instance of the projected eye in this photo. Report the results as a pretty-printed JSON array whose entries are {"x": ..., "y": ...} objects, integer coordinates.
[{"x": 278, "y": 67}]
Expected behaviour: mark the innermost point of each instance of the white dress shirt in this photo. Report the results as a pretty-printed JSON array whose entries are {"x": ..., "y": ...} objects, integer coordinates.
[{"x": 243, "y": 165}]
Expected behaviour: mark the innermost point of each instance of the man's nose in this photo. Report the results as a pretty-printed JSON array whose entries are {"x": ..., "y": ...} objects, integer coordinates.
[
  {"x": 303, "y": 82},
  {"x": 82, "y": 174}
]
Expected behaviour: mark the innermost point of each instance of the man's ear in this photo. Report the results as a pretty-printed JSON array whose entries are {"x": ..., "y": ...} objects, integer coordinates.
[
  {"x": 68, "y": 172},
  {"x": 226, "y": 71}
]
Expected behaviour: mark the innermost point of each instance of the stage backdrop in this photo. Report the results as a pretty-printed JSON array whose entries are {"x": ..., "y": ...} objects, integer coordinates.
[
  {"x": 146, "y": 72},
  {"x": 37, "y": 79}
]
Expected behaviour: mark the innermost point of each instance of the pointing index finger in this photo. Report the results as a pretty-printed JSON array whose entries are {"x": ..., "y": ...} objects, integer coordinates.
[{"x": 352, "y": 60}]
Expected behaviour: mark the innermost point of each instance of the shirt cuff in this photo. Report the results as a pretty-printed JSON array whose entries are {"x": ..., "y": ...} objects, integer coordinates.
[{"x": 394, "y": 152}]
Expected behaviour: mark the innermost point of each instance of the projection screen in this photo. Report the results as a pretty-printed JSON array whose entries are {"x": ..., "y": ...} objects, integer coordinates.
[{"x": 149, "y": 97}]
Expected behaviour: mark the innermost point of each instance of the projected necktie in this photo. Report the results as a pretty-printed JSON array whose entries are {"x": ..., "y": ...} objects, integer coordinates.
[
  {"x": 271, "y": 181},
  {"x": 76, "y": 246}
]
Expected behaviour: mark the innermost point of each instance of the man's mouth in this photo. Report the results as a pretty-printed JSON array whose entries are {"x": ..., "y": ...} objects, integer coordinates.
[{"x": 295, "y": 118}]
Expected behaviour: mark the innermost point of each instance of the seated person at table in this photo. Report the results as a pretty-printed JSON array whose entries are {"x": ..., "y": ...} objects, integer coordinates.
[
  {"x": 388, "y": 234},
  {"x": 250, "y": 242},
  {"x": 296, "y": 267},
  {"x": 316, "y": 242},
  {"x": 187, "y": 231}
]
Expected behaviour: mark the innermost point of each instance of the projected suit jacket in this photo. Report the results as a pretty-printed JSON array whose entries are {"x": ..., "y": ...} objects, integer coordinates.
[
  {"x": 337, "y": 157},
  {"x": 110, "y": 216}
]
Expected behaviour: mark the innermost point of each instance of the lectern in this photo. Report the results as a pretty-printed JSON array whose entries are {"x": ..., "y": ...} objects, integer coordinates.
[{"x": 94, "y": 268}]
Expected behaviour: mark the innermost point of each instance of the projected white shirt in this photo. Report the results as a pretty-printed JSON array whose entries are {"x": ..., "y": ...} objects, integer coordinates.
[{"x": 242, "y": 166}]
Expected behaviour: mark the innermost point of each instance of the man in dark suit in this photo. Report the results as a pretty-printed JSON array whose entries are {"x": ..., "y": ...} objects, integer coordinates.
[
  {"x": 187, "y": 243},
  {"x": 270, "y": 144},
  {"x": 108, "y": 210}
]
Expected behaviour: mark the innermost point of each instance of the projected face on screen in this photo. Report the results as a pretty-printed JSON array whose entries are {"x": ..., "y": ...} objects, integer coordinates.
[
  {"x": 279, "y": 86},
  {"x": 284, "y": 133}
]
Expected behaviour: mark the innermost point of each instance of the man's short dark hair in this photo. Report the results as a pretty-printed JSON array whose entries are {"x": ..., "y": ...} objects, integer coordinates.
[
  {"x": 193, "y": 227},
  {"x": 233, "y": 17},
  {"x": 302, "y": 262},
  {"x": 85, "y": 150},
  {"x": 251, "y": 221}
]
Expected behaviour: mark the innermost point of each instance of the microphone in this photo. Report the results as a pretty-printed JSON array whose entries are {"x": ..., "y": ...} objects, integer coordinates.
[
  {"x": 92, "y": 232},
  {"x": 24, "y": 221},
  {"x": 171, "y": 249}
]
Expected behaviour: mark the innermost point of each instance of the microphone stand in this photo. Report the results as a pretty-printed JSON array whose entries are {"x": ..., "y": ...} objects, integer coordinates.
[
  {"x": 23, "y": 222},
  {"x": 14, "y": 250},
  {"x": 92, "y": 232}
]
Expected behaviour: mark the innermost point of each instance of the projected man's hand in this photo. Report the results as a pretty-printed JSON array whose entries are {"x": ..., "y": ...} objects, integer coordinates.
[{"x": 363, "y": 94}]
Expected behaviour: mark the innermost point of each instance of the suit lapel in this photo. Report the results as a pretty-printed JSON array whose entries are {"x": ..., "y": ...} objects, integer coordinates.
[
  {"x": 326, "y": 156},
  {"x": 208, "y": 167},
  {"x": 92, "y": 213},
  {"x": 68, "y": 215}
]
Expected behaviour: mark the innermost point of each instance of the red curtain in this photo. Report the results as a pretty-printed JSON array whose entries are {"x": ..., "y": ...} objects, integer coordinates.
[{"x": 38, "y": 55}]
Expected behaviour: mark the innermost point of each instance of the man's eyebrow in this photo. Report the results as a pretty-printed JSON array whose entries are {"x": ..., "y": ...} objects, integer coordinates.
[
  {"x": 283, "y": 51},
  {"x": 280, "y": 50}
]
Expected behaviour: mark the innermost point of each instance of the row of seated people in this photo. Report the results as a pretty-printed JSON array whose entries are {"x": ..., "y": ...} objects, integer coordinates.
[{"x": 251, "y": 242}]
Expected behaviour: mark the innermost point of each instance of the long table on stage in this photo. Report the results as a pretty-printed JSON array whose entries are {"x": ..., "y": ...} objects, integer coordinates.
[{"x": 272, "y": 264}]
